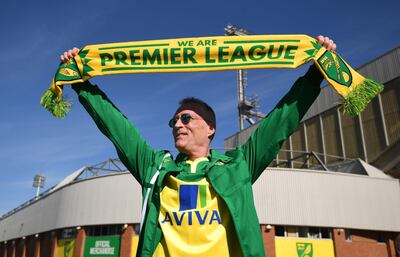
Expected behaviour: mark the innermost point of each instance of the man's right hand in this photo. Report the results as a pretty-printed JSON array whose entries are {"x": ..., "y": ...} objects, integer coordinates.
[{"x": 69, "y": 54}]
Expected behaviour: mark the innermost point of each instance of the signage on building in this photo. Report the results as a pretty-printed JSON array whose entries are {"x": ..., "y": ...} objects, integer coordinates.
[
  {"x": 105, "y": 246},
  {"x": 65, "y": 247},
  {"x": 299, "y": 247}
]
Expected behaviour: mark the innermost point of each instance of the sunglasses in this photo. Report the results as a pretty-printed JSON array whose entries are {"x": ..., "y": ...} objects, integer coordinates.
[{"x": 185, "y": 118}]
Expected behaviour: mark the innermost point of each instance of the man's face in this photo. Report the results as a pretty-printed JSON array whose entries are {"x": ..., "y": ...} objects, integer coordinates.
[{"x": 194, "y": 136}]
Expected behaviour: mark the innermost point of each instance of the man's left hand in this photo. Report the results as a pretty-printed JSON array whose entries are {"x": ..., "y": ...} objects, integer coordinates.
[{"x": 327, "y": 43}]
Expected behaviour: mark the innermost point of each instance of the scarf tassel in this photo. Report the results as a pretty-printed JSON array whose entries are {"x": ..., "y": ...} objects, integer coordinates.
[
  {"x": 357, "y": 99},
  {"x": 55, "y": 103}
]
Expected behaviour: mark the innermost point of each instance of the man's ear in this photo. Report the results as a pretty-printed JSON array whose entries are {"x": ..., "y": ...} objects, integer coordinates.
[{"x": 211, "y": 131}]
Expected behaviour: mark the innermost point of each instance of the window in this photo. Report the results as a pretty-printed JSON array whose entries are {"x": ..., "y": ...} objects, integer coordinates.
[
  {"x": 284, "y": 154},
  {"x": 326, "y": 233},
  {"x": 331, "y": 131},
  {"x": 291, "y": 231},
  {"x": 299, "y": 147},
  {"x": 314, "y": 137},
  {"x": 314, "y": 232},
  {"x": 279, "y": 231},
  {"x": 351, "y": 136},
  {"x": 68, "y": 233},
  {"x": 391, "y": 108},
  {"x": 381, "y": 237},
  {"x": 136, "y": 227},
  {"x": 304, "y": 232},
  {"x": 347, "y": 234},
  {"x": 373, "y": 129},
  {"x": 106, "y": 230}
]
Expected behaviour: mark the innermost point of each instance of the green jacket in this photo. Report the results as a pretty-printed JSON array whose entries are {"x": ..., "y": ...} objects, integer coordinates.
[{"x": 231, "y": 174}]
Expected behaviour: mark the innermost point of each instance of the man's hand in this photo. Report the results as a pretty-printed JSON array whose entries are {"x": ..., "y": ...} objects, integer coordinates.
[
  {"x": 327, "y": 43},
  {"x": 69, "y": 54}
]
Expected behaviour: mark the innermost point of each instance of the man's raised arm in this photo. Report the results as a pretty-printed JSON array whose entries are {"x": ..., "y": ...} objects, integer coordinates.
[
  {"x": 132, "y": 149},
  {"x": 266, "y": 141}
]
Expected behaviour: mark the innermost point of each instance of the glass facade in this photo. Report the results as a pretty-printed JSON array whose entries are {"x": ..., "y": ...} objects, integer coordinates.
[
  {"x": 334, "y": 136},
  {"x": 299, "y": 147},
  {"x": 314, "y": 138},
  {"x": 391, "y": 109}
]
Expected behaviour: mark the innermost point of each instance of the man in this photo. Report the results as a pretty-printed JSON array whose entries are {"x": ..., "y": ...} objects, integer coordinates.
[{"x": 201, "y": 203}]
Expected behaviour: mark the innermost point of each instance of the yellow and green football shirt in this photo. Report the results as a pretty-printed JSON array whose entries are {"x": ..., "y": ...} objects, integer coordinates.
[{"x": 194, "y": 219}]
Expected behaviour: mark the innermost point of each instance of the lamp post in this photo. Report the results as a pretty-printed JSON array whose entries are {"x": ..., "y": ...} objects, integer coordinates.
[
  {"x": 38, "y": 182},
  {"x": 245, "y": 106}
]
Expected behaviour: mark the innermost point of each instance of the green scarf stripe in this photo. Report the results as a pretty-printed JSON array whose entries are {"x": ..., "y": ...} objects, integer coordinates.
[
  {"x": 131, "y": 46},
  {"x": 194, "y": 67},
  {"x": 203, "y": 195},
  {"x": 261, "y": 41}
]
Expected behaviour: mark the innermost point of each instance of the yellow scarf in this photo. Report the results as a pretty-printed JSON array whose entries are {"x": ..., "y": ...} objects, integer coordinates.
[{"x": 211, "y": 54}]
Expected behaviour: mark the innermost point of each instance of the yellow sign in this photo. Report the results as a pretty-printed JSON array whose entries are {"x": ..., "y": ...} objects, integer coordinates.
[
  {"x": 135, "y": 242},
  {"x": 65, "y": 248},
  {"x": 303, "y": 247}
]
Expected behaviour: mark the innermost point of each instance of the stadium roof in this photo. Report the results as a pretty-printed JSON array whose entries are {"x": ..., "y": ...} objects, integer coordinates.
[{"x": 283, "y": 196}]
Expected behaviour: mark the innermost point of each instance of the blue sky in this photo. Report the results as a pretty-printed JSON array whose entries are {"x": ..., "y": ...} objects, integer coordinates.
[{"x": 35, "y": 33}]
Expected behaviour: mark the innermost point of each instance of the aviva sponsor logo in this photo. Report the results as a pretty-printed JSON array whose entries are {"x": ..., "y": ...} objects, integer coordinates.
[
  {"x": 191, "y": 198},
  {"x": 192, "y": 217}
]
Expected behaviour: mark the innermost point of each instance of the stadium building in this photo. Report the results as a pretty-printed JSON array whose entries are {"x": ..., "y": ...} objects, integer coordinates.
[{"x": 333, "y": 190}]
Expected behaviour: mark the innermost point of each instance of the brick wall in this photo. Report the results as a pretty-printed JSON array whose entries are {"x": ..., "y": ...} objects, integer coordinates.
[
  {"x": 11, "y": 249},
  {"x": 45, "y": 245},
  {"x": 269, "y": 240},
  {"x": 30, "y": 246},
  {"x": 126, "y": 241},
  {"x": 80, "y": 242},
  {"x": 20, "y": 250},
  {"x": 363, "y": 244}
]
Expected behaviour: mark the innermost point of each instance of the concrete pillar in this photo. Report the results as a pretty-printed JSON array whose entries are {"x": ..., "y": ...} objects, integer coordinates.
[
  {"x": 391, "y": 248},
  {"x": 268, "y": 234},
  {"x": 2, "y": 249},
  {"x": 21, "y": 248},
  {"x": 338, "y": 238},
  {"x": 54, "y": 242},
  {"x": 4, "y": 253},
  {"x": 397, "y": 244},
  {"x": 80, "y": 242},
  {"x": 24, "y": 249},
  {"x": 45, "y": 245},
  {"x": 6, "y": 249},
  {"x": 12, "y": 250},
  {"x": 126, "y": 241},
  {"x": 30, "y": 246},
  {"x": 36, "y": 252}
]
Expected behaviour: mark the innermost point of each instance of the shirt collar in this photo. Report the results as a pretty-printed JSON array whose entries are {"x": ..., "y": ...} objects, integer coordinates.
[{"x": 213, "y": 157}]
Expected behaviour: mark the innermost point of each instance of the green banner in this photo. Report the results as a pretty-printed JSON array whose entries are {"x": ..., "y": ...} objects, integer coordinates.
[{"x": 102, "y": 246}]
